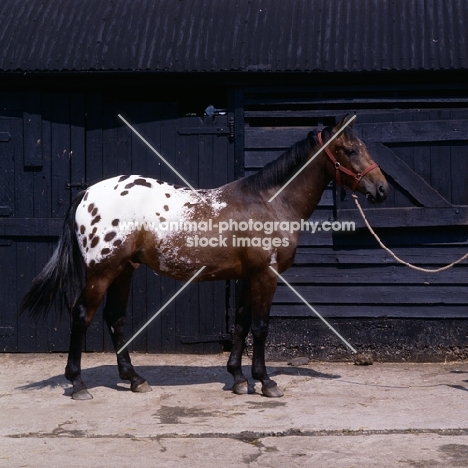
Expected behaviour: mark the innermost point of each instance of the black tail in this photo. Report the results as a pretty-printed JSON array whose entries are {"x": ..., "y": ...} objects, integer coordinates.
[{"x": 60, "y": 282}]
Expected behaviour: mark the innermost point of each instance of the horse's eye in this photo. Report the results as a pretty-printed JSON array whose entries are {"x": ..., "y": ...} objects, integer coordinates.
[{"x": 351, "y": 151}]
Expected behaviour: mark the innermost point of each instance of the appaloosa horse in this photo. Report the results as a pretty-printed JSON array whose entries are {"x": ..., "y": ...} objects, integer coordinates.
[{"x": 236, "y": 231}]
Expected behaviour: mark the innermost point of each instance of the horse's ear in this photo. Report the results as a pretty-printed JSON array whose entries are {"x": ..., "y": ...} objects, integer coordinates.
[
  {"x": 312, "y": 137},
  {"x": 341, "y": 123}
]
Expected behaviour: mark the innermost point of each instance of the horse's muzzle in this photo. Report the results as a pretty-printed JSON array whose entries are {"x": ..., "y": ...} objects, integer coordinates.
[{"x": 381, "y": 193}]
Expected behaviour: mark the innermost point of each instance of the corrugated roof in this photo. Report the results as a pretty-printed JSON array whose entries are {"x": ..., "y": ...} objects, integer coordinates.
[{"x": 233, "y": 35}]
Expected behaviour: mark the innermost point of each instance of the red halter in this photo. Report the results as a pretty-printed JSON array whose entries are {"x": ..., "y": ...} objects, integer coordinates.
[{"x": 339, "y": 168}]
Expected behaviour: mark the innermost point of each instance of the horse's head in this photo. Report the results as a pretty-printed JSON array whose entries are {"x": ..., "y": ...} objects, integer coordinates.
[{"x": 350, "y": 163}]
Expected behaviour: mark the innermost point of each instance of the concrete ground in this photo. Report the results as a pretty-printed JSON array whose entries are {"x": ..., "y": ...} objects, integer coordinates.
[{"x": 332, "y": 415}]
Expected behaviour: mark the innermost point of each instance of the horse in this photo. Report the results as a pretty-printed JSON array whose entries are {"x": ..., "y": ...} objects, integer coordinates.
[{"x": 241, "y": 230}]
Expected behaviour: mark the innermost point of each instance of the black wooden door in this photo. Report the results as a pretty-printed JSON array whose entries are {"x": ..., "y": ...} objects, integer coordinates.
[
  {"x": 201, "y": 150},
  {"x": 54, "y": 145},
  {"x": 35, "y": 193},
  {"x": 8, "y": 326}
]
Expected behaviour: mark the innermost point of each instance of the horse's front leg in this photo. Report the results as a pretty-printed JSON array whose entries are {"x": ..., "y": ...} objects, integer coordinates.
[
  {"x": 242, "y": 327},
  {"x": 262, "y": 289},
  {"x": 114, "y": 315}
]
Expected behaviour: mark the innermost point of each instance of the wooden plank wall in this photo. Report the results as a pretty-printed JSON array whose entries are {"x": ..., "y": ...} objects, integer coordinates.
[{"x": 347, "y": 275}]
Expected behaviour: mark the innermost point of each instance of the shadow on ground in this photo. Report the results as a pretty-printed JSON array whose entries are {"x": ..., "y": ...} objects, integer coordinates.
[{"x": 166, "y": 375}]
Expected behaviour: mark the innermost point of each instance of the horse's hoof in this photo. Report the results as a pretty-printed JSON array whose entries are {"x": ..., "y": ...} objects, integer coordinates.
[
  {"x": 82, "y": 394},
  {"x": 142, "y": 388},
  {"x": 241, "y": 388},
  {"x": 272, "y": 391}
]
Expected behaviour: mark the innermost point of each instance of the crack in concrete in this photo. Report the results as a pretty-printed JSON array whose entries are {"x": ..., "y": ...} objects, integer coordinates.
[{"x": 250, "y": 437}]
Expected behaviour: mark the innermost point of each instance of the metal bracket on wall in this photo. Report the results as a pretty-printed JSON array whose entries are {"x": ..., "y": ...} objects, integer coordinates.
[
  {"x": 79, "y": 185},
  {"x": 221, "y": 131},
  {"x": 222, "y": 337}
]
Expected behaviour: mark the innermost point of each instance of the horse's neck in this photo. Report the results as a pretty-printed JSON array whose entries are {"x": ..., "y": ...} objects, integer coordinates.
[{"x": 303, "y": 193}]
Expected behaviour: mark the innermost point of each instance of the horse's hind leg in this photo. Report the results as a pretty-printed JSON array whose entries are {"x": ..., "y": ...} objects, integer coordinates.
[
  {"x": 77, "y": 336},
  {"x": 81, "y": 316},
  {"x": 114, "y": 315},
  {"x": 242, "y": 327}
]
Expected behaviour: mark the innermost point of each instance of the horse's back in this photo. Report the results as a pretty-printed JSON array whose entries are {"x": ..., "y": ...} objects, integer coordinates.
[{"x": 113, "y": 209}]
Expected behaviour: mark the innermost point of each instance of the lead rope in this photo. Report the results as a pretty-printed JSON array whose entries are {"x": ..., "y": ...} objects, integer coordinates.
[{"x": 398, "y": 259}]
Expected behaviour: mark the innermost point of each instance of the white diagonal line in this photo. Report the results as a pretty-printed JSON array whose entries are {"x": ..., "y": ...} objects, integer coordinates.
[
  {"x": 160, "y": 310},
  {"x": 312, "y": 158},
  {"x": 133, "y": 129},
  {"x": 314, "y": 311}
]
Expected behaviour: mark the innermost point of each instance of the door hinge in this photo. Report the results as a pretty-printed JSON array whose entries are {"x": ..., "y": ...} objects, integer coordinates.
[
  {"x": 231, "y": 128},
  {"x": 6, "y": 211},
  {"x": 5, "y": 137},
  {"x": 7, "y": 331}
]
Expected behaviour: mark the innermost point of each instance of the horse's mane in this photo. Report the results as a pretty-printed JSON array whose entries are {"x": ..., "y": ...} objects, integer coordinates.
[{"x": 277, "y": 172}]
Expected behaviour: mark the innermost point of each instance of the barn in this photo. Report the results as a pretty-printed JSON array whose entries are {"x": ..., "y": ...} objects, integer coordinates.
[{"x": 220, "y": 89}]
